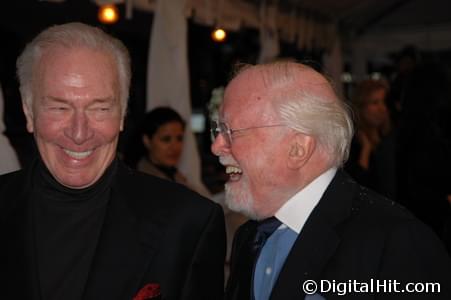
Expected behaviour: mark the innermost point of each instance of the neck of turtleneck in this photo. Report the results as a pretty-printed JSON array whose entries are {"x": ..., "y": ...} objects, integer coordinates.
[{"x": 58, "y": 194}]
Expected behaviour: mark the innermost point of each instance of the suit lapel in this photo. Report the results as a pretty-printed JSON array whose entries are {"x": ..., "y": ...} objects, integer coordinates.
[
  {"x": 307, "y": 258},
  {"x": 238, "y": 285},
  {"x": 317, "y": 241},
  {"x": 19, "y": 265},
  {"x": 126, "y": 245}
]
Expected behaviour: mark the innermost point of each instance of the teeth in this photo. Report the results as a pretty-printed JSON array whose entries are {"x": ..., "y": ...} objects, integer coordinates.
[
  {"x": 78, "y": 155},
  {"x": 232, "y": 169}
]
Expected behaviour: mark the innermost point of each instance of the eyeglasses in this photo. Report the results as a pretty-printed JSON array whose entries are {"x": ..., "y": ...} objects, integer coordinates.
[{"x": 218, "y": 127}]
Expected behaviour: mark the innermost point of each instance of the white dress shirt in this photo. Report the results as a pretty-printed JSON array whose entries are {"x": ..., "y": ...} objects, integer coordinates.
[{"x": 295, "y": 212}]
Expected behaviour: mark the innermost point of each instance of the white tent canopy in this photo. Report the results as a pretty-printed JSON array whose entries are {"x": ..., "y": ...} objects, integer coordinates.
[{"x": 368, "y": 29}]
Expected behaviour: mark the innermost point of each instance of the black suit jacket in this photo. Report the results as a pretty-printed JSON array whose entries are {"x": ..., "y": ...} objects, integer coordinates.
[
  {"x": 155, "y": 231},
  {"x": 354, "y": 234}
]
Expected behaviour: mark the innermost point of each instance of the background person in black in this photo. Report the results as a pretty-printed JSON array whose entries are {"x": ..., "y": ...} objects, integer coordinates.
[
  {"x": 424, "y": 147},
  {"x": 77, "y": 223}
]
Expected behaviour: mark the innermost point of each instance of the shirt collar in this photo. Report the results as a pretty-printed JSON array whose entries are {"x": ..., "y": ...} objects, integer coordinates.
[{"x": 295, "y": 212}]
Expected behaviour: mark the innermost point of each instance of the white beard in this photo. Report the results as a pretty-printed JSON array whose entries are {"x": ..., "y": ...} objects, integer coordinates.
[{"x": 239, "y": 199}]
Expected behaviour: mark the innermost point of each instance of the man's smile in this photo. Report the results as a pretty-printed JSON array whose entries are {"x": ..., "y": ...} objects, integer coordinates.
[
  {"x": 77, "y": 154},
  {"x": 233, "y": 172}
]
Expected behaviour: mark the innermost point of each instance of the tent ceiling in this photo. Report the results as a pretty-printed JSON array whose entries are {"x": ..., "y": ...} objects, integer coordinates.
[
  {"x": 366, "y": 16},
  {"x": 359, "y": 16},
  {"x": 356, "y": 18}
]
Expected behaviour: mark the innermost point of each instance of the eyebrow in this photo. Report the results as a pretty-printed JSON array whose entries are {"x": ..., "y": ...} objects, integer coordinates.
[
  {"x": 55, "y": 99},
  {"x": 97, "y": 100},
  {"x": 103, "y": 100}
]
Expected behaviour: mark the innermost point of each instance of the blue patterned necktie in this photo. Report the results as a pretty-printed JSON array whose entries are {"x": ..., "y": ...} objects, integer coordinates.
[
  {"x": 240, "y": 285},
  {"x": 264, "y": 230}
]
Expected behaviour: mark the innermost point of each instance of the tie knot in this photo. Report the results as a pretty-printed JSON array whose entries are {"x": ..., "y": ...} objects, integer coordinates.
[
  {"x": 268, "y": 226},
  {"x": 264, "y": 229}
]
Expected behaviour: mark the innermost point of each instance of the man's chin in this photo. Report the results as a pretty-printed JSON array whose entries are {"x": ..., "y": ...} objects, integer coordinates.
[
  {"x": 239, "y": 201},
  {"x": 76, "y": 183},
  {"x": 75, "y": 179}
]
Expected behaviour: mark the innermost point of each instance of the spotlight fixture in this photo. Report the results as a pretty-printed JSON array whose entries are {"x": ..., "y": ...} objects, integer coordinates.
[
  {"x": 219, "y": 35},
  {"x": 108, "y": 14}
]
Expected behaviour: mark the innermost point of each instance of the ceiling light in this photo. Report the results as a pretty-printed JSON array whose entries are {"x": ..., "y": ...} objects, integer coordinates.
[
  {"x": 218, "y": 35},
  {"x": 108, "y": 14}
]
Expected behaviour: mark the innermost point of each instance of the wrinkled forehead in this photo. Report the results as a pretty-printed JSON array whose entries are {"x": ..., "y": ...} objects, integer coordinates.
[
  {"x": 61, "y": 53},
  {"x": 76, "y": 65},
  {"x": 246, "y": 95}
]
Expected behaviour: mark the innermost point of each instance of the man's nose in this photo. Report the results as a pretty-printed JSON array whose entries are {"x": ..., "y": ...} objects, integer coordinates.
[
  {"x": 79, "y": 129},
  {"x": 219, "y": 145}
]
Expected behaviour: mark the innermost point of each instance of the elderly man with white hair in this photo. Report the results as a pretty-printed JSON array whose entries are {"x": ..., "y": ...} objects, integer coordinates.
[
  {"x": 283, "y": 135},
  {"x": 79, "y": 224}
]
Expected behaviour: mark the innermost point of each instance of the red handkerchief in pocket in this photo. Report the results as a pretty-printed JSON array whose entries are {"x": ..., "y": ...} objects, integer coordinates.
[{"x": 149, "y": 291}]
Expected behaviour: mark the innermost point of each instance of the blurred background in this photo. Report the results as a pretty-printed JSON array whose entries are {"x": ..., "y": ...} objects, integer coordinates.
[{"x": 350, "y": 40}]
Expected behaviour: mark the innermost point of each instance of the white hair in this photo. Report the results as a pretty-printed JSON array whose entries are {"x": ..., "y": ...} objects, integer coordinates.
[
  {"x": 329, "y": 121},
  {"x": 307, "y": 103},
  {"x": 73, "y": 35}
]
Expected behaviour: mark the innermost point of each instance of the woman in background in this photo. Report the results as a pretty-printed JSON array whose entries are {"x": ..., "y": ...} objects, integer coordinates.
[
  {"x": 162, "y": 132},
  {"x": 372, "y": 127},
  {"x": 162, "y": 136}
]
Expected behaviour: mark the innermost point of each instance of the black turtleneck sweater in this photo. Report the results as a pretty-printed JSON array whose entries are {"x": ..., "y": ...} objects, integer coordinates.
[{"x": 67, "y": 224}]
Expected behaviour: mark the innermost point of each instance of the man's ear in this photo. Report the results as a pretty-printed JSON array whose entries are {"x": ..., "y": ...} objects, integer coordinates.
[
  {"x": 300, "y": 150},
  {"x": 28, "y": 116}
]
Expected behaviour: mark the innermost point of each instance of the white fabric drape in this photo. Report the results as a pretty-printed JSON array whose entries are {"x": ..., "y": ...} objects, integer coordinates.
[
  {"x": 168, "y": 77},
  {"x": 269, "y": 37},
  {"x": 333, "y": 66},
  {"x": 8, "y": 157}
]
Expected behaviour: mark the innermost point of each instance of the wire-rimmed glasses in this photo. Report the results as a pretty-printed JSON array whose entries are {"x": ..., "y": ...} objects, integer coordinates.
[{"x": 217, "y": 127}]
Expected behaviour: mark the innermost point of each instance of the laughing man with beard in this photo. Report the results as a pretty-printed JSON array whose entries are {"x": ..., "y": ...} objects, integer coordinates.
[{"x": 283, "y": 135}]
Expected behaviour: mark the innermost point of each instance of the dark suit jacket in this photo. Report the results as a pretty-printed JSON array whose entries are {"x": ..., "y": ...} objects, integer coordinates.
[
  {"x": 354, "y": 234},
  {"x": 154, "y": 231}
]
